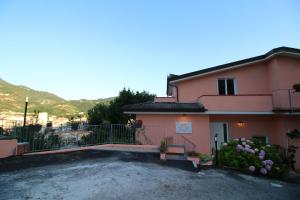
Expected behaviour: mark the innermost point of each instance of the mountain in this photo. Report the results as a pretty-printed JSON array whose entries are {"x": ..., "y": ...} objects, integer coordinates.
[{"x": 12, "y": 98}]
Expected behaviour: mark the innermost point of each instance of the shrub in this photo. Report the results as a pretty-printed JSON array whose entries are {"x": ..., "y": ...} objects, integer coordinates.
[
  {"x": 163, "y": 146},
  {"x": 204, "y": 157},
  {"x": 252, "y": 156}
]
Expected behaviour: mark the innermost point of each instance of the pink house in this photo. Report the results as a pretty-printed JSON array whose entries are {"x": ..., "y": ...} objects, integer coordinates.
[{"x": 255, "y": 97}]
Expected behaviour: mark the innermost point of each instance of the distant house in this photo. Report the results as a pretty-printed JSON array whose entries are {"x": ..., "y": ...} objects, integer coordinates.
[
  {"x": 43, "y": 118},
  {"x": 255, "y": 97}
]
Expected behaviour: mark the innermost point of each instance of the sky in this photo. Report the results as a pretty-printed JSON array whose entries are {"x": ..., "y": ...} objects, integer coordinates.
[{"x": 93, "y": 49}]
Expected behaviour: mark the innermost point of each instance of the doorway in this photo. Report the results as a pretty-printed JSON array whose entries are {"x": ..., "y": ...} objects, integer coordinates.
[{"x": 220, "y": 128}]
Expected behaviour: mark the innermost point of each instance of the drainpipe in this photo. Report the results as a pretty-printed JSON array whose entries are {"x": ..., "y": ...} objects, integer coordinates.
[
  {"x": 290, "y": 100},
  {"x": 177, "y": 95}
]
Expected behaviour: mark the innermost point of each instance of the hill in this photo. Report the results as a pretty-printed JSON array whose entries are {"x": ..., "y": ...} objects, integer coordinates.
[{"x": 12, "y": 98}]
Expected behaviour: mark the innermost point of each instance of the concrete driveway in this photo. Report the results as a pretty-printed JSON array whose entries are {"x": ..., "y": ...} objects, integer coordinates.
[{"x": 125, "y": 176}]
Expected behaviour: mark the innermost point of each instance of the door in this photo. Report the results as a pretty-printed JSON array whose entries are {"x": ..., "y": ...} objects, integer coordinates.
[{"x": 220, "y": 128}]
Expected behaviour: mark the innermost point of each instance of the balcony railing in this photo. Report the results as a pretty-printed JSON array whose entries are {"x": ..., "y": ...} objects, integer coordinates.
[{"x": 286, "y": 100}]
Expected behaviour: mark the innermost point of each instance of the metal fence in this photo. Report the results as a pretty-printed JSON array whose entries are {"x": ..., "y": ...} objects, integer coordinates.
[
  {"x": 286, "y": 100},
  {"x": 51, "y": 138}
]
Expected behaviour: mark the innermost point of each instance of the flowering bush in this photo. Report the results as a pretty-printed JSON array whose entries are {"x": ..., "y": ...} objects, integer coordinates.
[{"x": 254, "y": 157}]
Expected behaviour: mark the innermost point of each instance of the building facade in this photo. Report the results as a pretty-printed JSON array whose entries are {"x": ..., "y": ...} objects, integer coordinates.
[{"x": 257, "y": 97}]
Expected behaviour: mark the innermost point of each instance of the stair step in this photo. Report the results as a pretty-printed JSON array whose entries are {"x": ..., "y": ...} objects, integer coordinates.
[
  {"x": 175, "y": 149},
  {"x": 175, "y": 157},
  {"x": 175, "y": 145}
]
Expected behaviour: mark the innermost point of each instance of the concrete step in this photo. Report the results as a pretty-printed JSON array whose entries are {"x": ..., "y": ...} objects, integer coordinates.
[
  {"x": 175, "y": 145},
  {"x": 175, "y": 149},
  {"x": 176, "y": 157}
]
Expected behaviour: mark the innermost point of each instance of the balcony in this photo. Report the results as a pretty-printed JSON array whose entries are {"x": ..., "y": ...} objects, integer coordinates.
[
  {"x": 279, "y": 101},
  {"x": 286, "y": 100},
  {"x": 237, "y": 103}
]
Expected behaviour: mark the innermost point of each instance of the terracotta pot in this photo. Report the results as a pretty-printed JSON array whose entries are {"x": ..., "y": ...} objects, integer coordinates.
[{"x": 163, "y": 156}]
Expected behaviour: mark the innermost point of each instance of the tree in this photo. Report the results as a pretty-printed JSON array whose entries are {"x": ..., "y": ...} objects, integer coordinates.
[
  {"x": 126, "y": 96},
  {"x": 113, "y": 113},
  {"x": 98, "y": 114}
]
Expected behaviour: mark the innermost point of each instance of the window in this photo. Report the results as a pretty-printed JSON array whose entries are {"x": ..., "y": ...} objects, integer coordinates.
[
  {"x": 227, "y": 87},
  {"x": 222, "y": 87},
  {"x": 262, "y": 139}
]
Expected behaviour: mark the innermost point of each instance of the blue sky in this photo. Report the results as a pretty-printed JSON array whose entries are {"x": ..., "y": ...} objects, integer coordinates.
[{"x": 92, "y": 49}]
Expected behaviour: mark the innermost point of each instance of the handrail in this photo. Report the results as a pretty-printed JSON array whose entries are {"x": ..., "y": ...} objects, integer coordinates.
[{"x": 190, "y": 142}]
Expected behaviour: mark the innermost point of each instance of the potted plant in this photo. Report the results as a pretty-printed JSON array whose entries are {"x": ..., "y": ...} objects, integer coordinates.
[
  {"x": 204, "y": 158},
  {"x": 163, "y": 149}
]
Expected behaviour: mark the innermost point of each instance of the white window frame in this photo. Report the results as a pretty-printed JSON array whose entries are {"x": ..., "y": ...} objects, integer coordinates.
[
  {"x": 267, "y": 140},
  {"x": 234, "y": 85}
]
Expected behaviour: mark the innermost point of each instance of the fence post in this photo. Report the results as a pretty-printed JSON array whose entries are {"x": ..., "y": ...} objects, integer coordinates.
[
  {"x": 110, "y": 134},
  {"x": 134, "y": 136}
]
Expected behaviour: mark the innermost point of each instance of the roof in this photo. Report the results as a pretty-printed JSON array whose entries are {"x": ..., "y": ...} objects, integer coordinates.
[
  {"x": 164, "y": 107},
  {"x": 279, "y": 50}
]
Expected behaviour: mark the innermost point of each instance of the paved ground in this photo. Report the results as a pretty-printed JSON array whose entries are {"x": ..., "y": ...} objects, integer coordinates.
[{"x": 132, "y": 176}]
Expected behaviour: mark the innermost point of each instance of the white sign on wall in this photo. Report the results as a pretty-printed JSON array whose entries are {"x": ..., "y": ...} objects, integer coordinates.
[{"x": 184, "y": 127}]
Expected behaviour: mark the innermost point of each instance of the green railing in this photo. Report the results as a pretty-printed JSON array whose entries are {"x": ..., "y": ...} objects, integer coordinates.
[{"x": 51, "y": 138}]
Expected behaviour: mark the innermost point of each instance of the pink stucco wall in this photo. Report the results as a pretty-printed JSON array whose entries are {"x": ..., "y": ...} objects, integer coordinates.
[
  {"x": 284, "y": 72},
  {"x": 159, "y": 126},
  {"x": 255, "y": 125},
  {"x": 252, "y": 79},
  {"x": 272, "y": 77},
  {"x": 165, "y": 99},
  {"x": 241, "y": 103},
  {"x": 7, "y": 147}
]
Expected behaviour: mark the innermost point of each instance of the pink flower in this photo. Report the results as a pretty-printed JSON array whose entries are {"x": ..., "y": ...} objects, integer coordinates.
[
  {"x": 262, "y": 152},
  {"x": 263, "y": 171},
  {"x": 261, "y": 157},
  {"x": 251, "y": 168},
  {"x": 239, "y": 147},
  {"x": 268, "y": 167},
  {"x": 269, "y": 162}
]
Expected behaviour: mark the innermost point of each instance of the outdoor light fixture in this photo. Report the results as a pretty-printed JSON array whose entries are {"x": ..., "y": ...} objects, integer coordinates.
[{"x": 241, "y": 124}]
